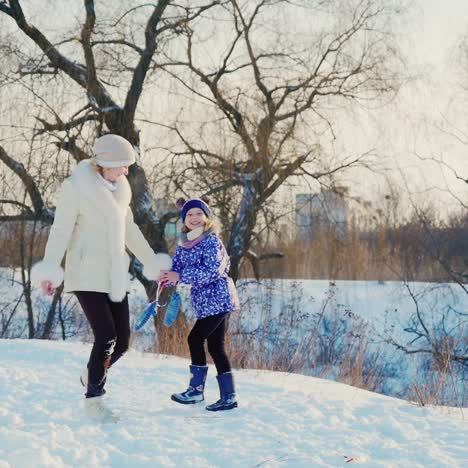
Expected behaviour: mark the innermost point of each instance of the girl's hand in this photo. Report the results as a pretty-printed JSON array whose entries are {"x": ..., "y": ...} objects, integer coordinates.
[
  {"x": 47, "y": 288},
  {"x": 168, "y": 276}
]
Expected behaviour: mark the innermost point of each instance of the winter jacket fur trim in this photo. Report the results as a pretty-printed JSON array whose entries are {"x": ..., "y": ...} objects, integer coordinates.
[
  {"x": 47, "y": 271},
  {"x": 113, "y": 206},
  {"x": 152, "y": 269}
]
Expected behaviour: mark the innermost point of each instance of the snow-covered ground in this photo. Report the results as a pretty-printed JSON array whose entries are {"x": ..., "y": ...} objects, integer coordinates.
[
  {"x": 283, "y": 419},
  {"x": 284, "y": 314}
]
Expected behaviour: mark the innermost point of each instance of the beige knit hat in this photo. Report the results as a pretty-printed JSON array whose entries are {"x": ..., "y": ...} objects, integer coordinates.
[{"x": 113, "y": 151}]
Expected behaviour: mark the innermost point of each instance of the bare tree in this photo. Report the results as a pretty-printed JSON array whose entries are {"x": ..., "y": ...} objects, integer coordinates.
[
  {"x": 446, "y": 341},
  {"x": 269, "y": 96},
  {"x": 107, "y": 65}
]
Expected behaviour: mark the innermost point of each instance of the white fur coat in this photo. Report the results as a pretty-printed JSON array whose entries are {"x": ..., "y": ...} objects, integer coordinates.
[{"x": 93, "y": 226}]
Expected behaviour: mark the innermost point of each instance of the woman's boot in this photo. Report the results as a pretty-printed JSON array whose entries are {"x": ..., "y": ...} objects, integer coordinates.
[{"x": 84, "y": 381}]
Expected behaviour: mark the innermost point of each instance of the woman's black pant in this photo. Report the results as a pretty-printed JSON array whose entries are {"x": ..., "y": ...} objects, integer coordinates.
[
  {"x": 110, "y": 322},
  {"x": 210, "y": 329}
]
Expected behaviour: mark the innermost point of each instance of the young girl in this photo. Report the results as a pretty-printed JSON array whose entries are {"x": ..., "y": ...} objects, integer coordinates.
[{"x": 202, "y": 261}]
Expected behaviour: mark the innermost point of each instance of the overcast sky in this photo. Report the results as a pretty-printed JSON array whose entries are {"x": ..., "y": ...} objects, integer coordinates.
[{"x": 430, "y": 39}]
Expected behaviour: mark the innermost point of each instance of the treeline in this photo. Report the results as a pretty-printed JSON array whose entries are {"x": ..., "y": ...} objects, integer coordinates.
[
  {"x": 422, "y": 248},
  {"x": 419, "y": 249}
]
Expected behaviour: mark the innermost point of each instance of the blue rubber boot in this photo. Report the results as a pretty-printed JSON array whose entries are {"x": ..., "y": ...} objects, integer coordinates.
[
  {"x": 227, "y": 393},
  {"x": 194, "y": 393}
]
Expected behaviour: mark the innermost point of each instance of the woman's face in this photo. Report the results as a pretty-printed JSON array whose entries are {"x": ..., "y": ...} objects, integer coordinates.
[
  {"x": 113, "y": 174},
  {"x": 195, "y": 218}
]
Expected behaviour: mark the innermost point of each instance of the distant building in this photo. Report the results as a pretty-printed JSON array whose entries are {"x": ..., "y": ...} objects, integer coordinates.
[{"x": 321, "y": 212}]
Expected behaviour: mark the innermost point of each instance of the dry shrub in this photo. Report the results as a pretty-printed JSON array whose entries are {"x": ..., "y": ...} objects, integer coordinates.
[
  {"x": 419, "y": 249},
  {"x": 441, "y": 373},
  {"x": 326, "y": 340},
  {"x": 173, "y": 340},
  {"x": 362, "y": 367},
  {"x": 21, "y": 241},
  {"x": 431, "y": 387}
]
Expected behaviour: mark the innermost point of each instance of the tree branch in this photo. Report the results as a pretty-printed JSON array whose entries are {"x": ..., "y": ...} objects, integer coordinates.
[
  {"x": 77, "y": 72},
  {"x": 283, "y": 174},
  {"x": 26, "y": 208},
  {"x": 71, "y": 147},
  {"x": 39, "y": 207},
  {"x": 123, "y": 42},
  {"x": 86, "y": 31},
  {"x": 139, "y": 75},
  {"x": 61, "y": 126}
]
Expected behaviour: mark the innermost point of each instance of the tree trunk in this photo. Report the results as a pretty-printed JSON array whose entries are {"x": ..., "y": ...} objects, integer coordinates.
[
  {"x": 47, "y": 329},
  {"x": 241, "y": 232}
]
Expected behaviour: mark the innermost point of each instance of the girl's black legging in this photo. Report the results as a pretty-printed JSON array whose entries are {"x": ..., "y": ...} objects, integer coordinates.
[
  {"x": 110, "y": 322},
  {"x": 211, "y": 329}
]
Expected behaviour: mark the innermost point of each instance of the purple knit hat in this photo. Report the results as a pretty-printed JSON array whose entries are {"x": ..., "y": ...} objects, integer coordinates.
[{"x": 193, "y": 203}]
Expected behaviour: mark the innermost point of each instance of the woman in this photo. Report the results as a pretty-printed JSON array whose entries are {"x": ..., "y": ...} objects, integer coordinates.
[{"x": 93, "y": 224}]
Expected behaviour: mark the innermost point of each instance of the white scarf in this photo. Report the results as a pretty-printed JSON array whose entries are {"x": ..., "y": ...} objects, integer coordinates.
[{"x": 112, "y": 186}]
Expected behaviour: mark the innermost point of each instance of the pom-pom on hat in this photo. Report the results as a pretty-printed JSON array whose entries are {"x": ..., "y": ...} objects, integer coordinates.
[
  {"x": 202, "y": 203},
  {"x": 113, "y": 151}
]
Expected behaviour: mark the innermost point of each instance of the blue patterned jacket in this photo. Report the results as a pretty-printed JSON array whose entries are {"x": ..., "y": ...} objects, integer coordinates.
[{"x": 205, "y": 266}]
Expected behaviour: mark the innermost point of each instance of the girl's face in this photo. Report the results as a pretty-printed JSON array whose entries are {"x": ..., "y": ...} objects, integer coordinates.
[
  {"x": 195, "y": 218},
  {"x": 113, "y": 174}
]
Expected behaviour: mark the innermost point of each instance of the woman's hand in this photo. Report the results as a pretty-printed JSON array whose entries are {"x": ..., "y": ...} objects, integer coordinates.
[
  {"x": 168, "y": 276},
  {"x": 47, "y": 288}
]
